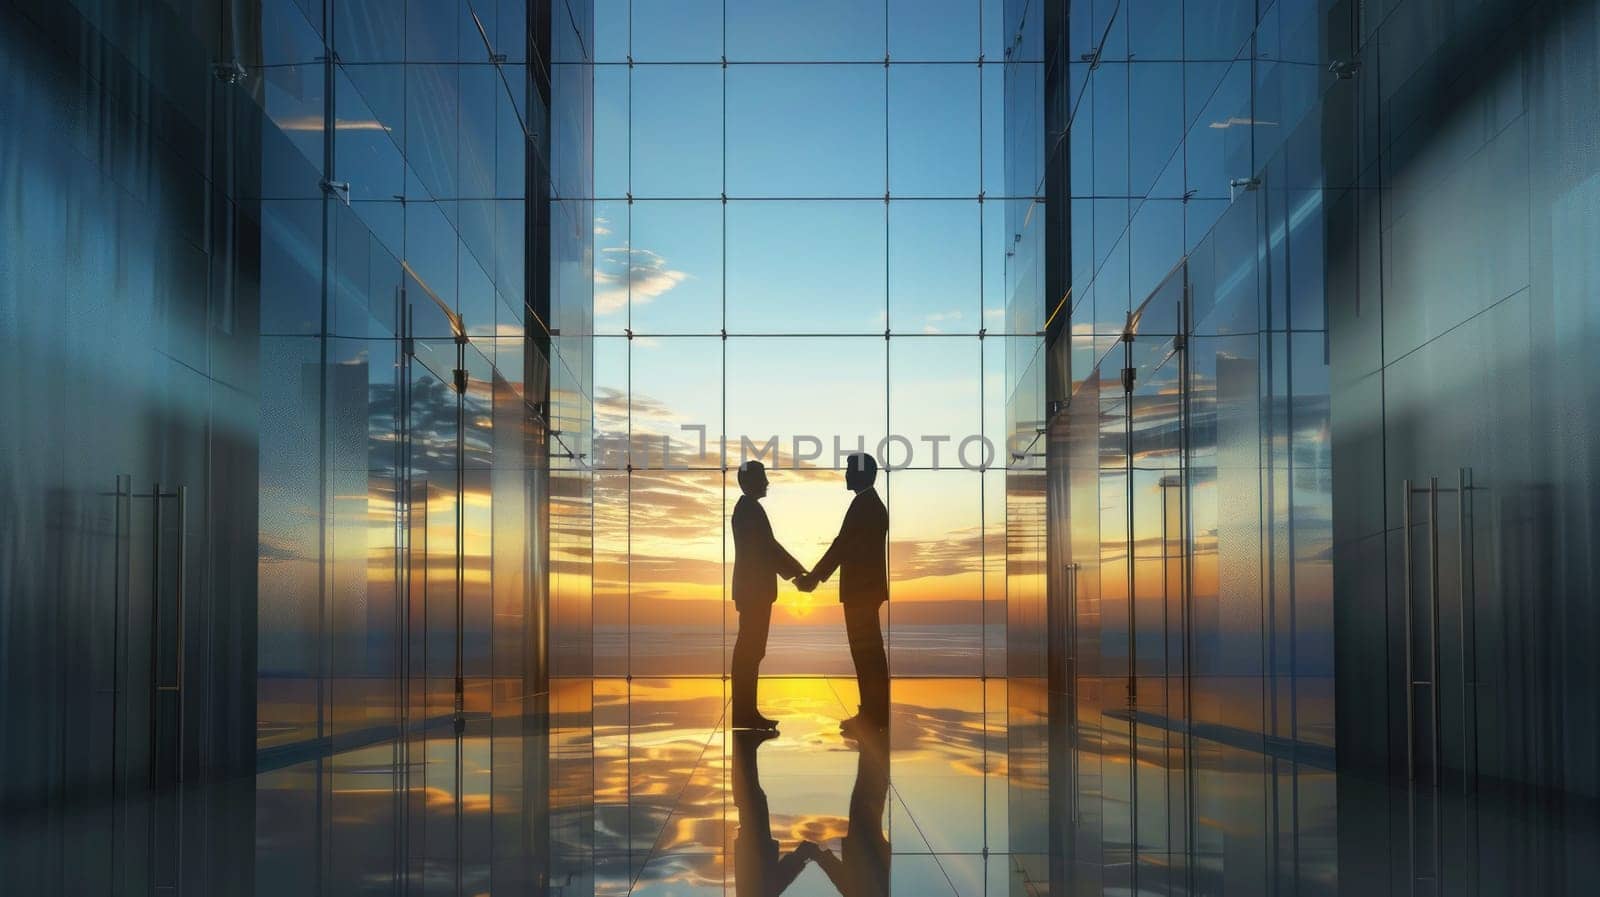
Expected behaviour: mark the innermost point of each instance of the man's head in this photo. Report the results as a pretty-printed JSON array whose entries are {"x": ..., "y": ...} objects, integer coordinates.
[
  {"x": 753, "y": 479},
  {"x": 860, "y": 470}
]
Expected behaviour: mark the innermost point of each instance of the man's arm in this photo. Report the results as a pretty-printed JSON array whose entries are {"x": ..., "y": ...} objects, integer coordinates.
[{"x": 782, "y": 560}]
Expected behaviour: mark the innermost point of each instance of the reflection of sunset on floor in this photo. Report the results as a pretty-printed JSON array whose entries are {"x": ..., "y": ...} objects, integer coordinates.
[{"x": 665, "y": 815}]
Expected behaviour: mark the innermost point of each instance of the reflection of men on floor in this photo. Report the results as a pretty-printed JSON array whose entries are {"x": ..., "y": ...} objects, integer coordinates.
[
  {"x": 758, "y": 561},
  {"x": 757, "y": 870},
  {"x": 859, "y": 554},
  {"x": 863, "y": 868}
]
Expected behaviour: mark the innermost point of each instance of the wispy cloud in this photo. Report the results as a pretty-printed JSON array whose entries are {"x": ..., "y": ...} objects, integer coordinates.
[
  {"x": 619, "y": 266},
  {"x": 932, "y": 320},
  {"x": 959, "y": 552}
]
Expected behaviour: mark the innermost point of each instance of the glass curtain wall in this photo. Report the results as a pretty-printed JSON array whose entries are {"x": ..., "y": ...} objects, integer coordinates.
[
  {"x": 1186, "y": 633},
  {"x": 803, "y": 239},
  {"x": 569, "y": 514},
  {"x": 402, "y": 449}
]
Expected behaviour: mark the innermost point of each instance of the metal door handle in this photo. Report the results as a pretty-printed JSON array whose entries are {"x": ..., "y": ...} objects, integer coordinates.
[
  {"x": 1412, "y": 682},
  {"x": 157, "y": 688},
  {"x": 1405, "y": 579},
  {"x": 1468, "y": 633}
]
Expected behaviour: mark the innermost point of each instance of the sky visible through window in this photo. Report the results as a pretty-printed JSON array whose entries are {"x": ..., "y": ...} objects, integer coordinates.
[{"x": 801, "y": 232}]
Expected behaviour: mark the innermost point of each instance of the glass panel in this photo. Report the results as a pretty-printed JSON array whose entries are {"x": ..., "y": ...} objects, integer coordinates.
[
  {"x": 432, "y": 127},
  {"x": 936, "y": 549},
  {"x": 996, "y": 247},
  {"x": 1218, "y": 146},
  {"x": 291, "y": 294},
  {"x": 995, "y": 133},
  {"x": 675, "y": 575},
  {"x": 293, "y": 98},
  {"x": 677, "y": 30},
  {"x": 432, "y": 31},
  {"x": 676, "y": 250},
  {"x": 994, "y": 571},
  {"x": 820, "y": 398},
  {"x": 431, "y": 248},
  {"x": 825, "y": 30},
  {"x": 611, "y": 550},
  {"x": 933, "y": 144},
  {"x": 362, "y": 418},
  {"x": 1109, "y": 86},
  {"x": 676, "y": 383},
  {"x": 790, "y": 125},
  {"x": 676, "y": 140},
  {"x": 1155, "y": 242},
  {"x": 365, "y": 151},
  {"x": 806, "y": 267},
  {"x": 289, "y": 569},
  {"x": 934, "y": 403},
  {"x": 1156, "y": 115},
  {"x": 612, "y": 220},
  {"x": 611, "y": 150},
  {"x": 933, "y": 30},
  {"x": 934, "y": 267},
  {"x": 1156, "y": 29},
  {"x": 612, "y": 32}
]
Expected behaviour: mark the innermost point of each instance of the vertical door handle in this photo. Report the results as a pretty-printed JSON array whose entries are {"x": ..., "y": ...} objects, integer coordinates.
[
  {"x": 1468, "y": 632},
  {"x": 180, "y": 599},
  {"x": 1409, "y": 601},
  {"x": 1433, "y": 622}
]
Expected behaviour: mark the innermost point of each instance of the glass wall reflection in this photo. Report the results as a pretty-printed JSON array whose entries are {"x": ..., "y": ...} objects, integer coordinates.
[
  {"x": 1185, "y": 638},
  {"x": 415, "y": 381}
]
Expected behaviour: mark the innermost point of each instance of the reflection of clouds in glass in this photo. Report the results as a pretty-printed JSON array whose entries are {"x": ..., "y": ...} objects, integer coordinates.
[
  {"x": 315, "y": 123},
  {"x": 959, "y": 552},
  {"x": 271, "y": 550}
]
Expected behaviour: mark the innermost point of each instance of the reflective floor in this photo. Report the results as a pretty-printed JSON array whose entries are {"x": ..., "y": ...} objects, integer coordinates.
[
  {"x": 683, "y": 806},
  {"x": 617, "y": 787}
]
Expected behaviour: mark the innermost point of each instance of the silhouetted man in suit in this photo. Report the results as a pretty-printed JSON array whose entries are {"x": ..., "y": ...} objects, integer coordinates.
[
  {"x": 863, "y": 870},
  {"x": 758, "y": 561},
  {"x": 757, "y": 869},
  {"x": 859, "y": 553}
]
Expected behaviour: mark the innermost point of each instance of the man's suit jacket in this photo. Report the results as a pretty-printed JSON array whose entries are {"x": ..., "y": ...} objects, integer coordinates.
[
  {"x": 758, "y": 559},
  {"x": 859, "y": 552}
]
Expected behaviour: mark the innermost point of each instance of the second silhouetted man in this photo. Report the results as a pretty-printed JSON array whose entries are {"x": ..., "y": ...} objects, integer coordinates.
[{"x": 859, "y": 553}]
